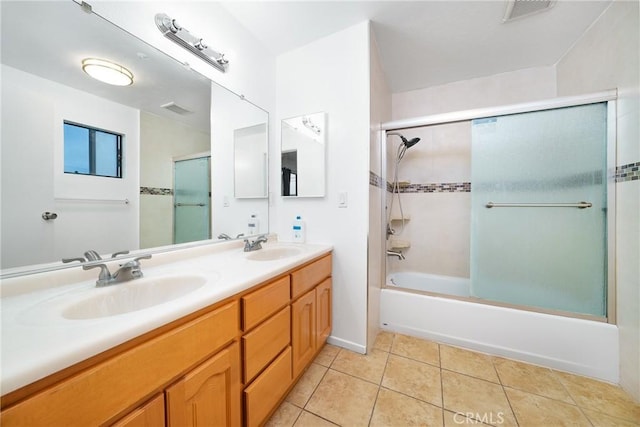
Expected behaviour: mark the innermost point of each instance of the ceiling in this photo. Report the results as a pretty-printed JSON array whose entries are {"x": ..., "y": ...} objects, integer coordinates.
[{"x": 427, "y": 43}]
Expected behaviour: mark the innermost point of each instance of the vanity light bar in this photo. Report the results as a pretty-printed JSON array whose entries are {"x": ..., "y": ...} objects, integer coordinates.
[{"x": 173, "y": 31}]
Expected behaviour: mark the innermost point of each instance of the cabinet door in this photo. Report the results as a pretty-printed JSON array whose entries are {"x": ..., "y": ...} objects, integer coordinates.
[
  {"x": 323, "y": 312},
  {"x": 151, "y": 414},
  {"x": 209, "y": 394},
  {"x": 303, "y": 331}
]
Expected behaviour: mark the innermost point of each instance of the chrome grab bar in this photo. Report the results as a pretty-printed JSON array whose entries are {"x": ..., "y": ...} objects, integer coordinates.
[
  {"x": 190, "y": 204},
  {"x": 579, "y": 205}
]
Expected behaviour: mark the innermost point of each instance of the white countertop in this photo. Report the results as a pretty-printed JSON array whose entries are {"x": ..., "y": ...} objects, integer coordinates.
[{"x": 38, "y": 341}]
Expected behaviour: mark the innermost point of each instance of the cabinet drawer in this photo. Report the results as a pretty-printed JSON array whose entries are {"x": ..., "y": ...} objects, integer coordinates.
[
  {"x": 262, "y": 303},
  {"x": 263, "y": 344},
  {"x": 95, "y": 395},
  {"x": 267, "y": 390},
  {"x": 307, "y": 277}
]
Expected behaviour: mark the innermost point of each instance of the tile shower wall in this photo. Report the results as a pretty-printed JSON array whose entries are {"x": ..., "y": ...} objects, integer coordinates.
[{"x": 436, "y": 196}]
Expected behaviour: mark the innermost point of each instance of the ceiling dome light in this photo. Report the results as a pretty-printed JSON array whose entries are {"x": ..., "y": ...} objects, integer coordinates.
[{"x": 107, "y": 72}]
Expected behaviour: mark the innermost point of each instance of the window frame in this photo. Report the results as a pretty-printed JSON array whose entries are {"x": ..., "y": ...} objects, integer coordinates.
[{"x": 92, "y": 150}]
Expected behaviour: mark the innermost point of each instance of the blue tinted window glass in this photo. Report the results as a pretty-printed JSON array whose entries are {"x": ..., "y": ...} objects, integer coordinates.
[
  {"x": 90, "y": 151},
  {"x": 76, "y": 149},
  {"x": 106, "y": 154}
]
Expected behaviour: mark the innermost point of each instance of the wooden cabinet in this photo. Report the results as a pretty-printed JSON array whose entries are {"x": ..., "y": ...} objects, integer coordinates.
[
  {"x": 311, "y": 312},
  {"x": 227, "y": 365},
  {"x": 264, "y": 343},
  {"x": 150, "y": 414},
  {"x": 108, "y": 390},
  {"x": 263, "y": 395},
  {"x": 303, "y": 331},
  {"x": 209, "y": 395},
  {"x": 323, "y": 312}
]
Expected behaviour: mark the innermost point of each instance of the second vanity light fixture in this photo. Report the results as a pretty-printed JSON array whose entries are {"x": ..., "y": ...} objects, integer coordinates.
[{"x": 173, "y": 31}]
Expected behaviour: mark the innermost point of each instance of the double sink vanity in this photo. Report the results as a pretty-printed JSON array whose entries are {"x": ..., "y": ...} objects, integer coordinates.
[{"x": 211, "y": 335}]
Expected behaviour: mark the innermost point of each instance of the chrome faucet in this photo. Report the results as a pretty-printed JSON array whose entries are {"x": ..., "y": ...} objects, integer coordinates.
[
  {"x": 399, "y": 254},
  {"x": 255, "y": 245},
  {"x": 227, "y": 237},
  {"x": 128, "y": 271}
]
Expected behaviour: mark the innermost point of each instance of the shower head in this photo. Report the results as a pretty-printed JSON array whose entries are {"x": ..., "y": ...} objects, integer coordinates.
[
  {"x": 407, "y": 143},
  {"x": 411, "y": 142}
]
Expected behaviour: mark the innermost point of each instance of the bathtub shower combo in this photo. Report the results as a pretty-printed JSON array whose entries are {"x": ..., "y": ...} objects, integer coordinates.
[{"x": 531, "y": 281}]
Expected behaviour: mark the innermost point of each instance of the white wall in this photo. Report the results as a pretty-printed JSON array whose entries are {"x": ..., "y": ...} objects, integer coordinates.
[
  {"x": 34, "y": 182},
  {"x": 606, "y": 57},
  {"x": 332, "y": 75},
  {"x": 380, "y": 113},
  {"x": 525, "y": 85}
]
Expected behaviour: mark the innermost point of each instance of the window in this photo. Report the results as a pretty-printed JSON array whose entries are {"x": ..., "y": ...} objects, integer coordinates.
[{"x": 90, "y": 151}]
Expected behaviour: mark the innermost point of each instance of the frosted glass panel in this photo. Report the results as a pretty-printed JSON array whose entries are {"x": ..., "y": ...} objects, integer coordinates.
[
  {"x": 192, "y": 200},
  {"x": 547, "y": 257}
]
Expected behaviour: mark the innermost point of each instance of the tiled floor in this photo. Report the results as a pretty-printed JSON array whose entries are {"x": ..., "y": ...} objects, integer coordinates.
[{"x": 406, "y": 381}]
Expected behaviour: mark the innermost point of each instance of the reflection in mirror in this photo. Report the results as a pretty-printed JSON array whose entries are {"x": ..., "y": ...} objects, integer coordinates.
[
  {"x": 250, "y": 162},
  {"x": 164, "y": 118},
  {"x": 303, "y": 155},
  {"x": 234, "y": 120}
]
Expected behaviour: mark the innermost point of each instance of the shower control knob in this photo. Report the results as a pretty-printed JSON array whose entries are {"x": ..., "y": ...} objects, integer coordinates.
[{"x": 49, "y": 216}]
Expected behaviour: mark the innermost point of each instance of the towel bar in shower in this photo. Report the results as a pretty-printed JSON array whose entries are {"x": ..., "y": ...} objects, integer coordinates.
[{"x": 579, "y": 205}]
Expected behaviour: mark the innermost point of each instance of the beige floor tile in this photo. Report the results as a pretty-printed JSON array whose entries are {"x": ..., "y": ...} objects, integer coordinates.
[
  {"x": 383, "y": 341},
  {"x": 531, "y": 378},
  {"x": 598, "y": 419},
  {"x": 368, "y": 367},
  {"x": 285, "y": 416},
  {"x": 482, "y": 400},
  {"x": 327, "y": 355},
  {"x": 533, "y": 410},
  {"x": 343, "y": 399},
  {"x": 395, "y": 409},
  {"x": 306, "y": 385},
  {"x": 307, "y": 419},
  {"x": 452, "y": 419},
  {"x": 599, "y": 396},
  {"x": 413, "y": 378},
  {"x": 468, "y": 362},
  {"x": 416, "y": 348}
]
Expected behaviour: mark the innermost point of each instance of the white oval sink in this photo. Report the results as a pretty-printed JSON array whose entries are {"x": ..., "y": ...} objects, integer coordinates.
[
  {"x": 132, "y": 296},
  {"x": 273, "y": 254}
]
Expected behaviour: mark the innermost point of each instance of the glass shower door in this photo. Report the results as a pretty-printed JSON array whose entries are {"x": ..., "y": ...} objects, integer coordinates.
[
  {"x": 192, "y": 200},
  {"x": 533, "y": 241}
]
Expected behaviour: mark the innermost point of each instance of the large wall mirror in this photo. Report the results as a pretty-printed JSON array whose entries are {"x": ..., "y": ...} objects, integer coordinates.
[
  {"x": 303, "y": 146},
  {"x": 176, "y": 175}
]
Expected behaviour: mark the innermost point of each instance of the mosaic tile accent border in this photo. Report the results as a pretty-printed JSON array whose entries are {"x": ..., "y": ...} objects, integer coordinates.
[
  {"x": 628, "y": 172},
  {"x": 155, "y": 191},
  {"x": 376, "y": 180},
  {"x": 440, "y": 187}
]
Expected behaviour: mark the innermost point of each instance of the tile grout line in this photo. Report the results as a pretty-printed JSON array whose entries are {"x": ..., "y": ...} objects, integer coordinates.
[
  {"x": 441, "y": 383},
  {"x": 375, "y": 402}
]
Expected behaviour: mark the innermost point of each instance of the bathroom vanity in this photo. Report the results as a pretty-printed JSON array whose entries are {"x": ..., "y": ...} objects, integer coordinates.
[{"x": 229, "y": 362}]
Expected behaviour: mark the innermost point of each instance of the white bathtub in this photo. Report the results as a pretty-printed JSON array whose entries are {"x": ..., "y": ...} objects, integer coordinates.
[
  {"x": 449, "y": 285},
  {"x": 580, "y": 346}
]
